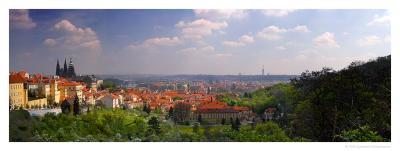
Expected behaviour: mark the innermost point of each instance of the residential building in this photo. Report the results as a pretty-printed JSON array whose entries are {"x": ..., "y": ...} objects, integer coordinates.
[{"x": 17, "y": 91}]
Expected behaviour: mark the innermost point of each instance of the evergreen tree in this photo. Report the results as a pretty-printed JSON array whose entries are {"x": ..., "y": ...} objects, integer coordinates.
[
  {"x": 76, "y": 106},
  {"x": 146, "y": 108},
  {"x": 199, "y": 119},
  {"x": 245, "y": 95},
  {"x": 171, "y": 112},
  {"x": 223, "y": 121},
  {"x": 196, "y": 127},
  {"x": 65, "y": 106},
  {"x": 154, "y": 126},
  {"x": 235, "y": 124}
]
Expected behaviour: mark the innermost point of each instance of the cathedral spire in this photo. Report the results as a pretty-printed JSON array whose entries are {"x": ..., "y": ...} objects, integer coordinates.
[
  {"x": 71, "y": 69},
  {"x": 65, "y": 72},
  {"x": 58, "y": 68}
]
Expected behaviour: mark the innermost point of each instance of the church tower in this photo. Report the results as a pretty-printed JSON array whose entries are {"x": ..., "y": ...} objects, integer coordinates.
[
  {"x": 71, "y": 70},
  {"x": 65, "y": 72},
  {"x": 58, "y": 68}
]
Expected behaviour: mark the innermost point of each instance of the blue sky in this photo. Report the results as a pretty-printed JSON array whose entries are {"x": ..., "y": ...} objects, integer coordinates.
[{"x": 196, "y": 41}]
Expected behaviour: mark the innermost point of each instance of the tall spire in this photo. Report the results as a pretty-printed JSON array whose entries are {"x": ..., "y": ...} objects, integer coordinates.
[
  {"x": 65, "y": 73},
  {"x": 58, "y": 68},
  {"x": 71, "y": 69}
]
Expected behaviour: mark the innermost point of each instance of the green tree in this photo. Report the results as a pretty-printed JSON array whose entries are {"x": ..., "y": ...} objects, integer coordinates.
[
  {"x": 199, "y": 119},
  {"x": 146, "y": 108},
  {"x": 171, "y": 112},
  {"x": 362, "y": 134},
  {"x": 76, "y": 106},
  {"x": 341, "y": 100},
  {"x": 65, "y": 107},
  {"x": 154, "y": 126},
  {"x": 196, "y": 127}
]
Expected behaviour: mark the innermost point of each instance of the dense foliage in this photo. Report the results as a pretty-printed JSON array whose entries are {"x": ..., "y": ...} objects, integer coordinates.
[
  {"x": 130, "y": 125},
  {"x": 334, "y": 101}
]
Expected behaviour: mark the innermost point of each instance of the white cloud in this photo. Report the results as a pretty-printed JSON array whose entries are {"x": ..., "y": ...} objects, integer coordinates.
[
  {"x": 246, "y": 39},
  {"x": 380, "y": 20},
  {"x": 19, "y": 19},
  {"x": 346, "y": 33},
  {"x": 199, "y": 28},
  {"x": 280, "y": 48},
  {"x": 205, "y": 49},
  {"x": 326, "y": 39},
  {"x": 153, "y": 43},
  {"x": 369, "y": 41},
  {"x": 223, "y": 55},
  {"x": 271, "y": 33},
  {"x": 300, "y": 28},
  {"x": 274, "y": 33},
  {"x": 220, "y": 14},
  {"x": 277, "y": 12},
  {"x": 50, "y": 42},
  {"x": 74, "y": 38},
  {"x": 243, "y": 41}
]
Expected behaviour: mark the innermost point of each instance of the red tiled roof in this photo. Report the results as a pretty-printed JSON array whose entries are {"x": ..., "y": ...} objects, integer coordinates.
[
  {"x": 270, "y": 110},
  {"x": 16, "y": 78},
  {"x": 212, "y": 105},
  {"x": 241, "y": 108},
  {"x": 68, "y": 83},
  {"x": 22, "y": 73}
]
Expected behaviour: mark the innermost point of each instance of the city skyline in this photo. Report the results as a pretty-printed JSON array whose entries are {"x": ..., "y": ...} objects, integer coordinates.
[{"x": 196, "y": 41}]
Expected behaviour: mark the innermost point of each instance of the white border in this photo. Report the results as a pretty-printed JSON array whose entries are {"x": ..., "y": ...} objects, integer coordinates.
[{"x": 190, "y": 4}]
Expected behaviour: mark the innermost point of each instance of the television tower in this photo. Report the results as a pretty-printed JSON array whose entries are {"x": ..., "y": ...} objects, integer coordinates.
[{"x": 262, "y": 71}]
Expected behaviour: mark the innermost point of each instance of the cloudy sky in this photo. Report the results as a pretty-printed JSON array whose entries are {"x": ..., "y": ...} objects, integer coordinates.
[{"x": 195, "y": 41}]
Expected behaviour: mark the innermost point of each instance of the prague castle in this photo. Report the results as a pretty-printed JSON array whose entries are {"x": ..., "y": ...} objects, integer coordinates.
[{"x": 67, "y": 71}]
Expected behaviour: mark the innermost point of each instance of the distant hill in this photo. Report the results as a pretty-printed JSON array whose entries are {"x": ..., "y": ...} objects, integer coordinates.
[{"x": 200, "y": 77}]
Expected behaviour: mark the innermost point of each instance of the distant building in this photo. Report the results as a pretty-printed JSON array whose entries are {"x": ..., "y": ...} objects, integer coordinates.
[
  {"x": 70, "y": 89},
  {"x": 54, "y": 92},
  {"x": 216, "y": 112},
  {"x": 67, "y": 71},
  {"x": 262, "y": 72},
  {"x": 271, "y": 113},
  {"x": 110, "y": 101},
  {"x": 17, "y": 91},
  {"x": 89, "y": 80}
]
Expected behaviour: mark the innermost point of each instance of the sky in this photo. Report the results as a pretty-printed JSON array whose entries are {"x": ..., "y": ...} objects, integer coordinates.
[{"x": 185, "y": 41}]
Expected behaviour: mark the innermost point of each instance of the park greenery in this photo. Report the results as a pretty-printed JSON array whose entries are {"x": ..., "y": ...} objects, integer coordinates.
[
  {"x": 107, "y": 125},
  {"x": 352, "y": 104}
]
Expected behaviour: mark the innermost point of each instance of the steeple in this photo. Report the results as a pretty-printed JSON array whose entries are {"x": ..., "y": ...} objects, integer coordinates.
[
  {"x": 58, "y": 68},
  {"x": 71, "y": 69},
  {"x": 65, "y": 73}
]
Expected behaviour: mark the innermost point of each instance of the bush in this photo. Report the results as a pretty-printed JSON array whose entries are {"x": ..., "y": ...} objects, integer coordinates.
[{"x": 361, "y": 134}]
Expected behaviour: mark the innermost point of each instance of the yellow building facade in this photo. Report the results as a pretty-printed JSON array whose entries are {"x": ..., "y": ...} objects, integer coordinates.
[{"x": 17, "y": 93}]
